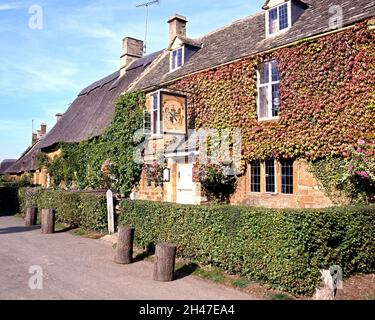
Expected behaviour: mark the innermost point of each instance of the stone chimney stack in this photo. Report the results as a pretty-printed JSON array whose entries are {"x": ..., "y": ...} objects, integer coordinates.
[
  {"x": 58, "y": 116},
  {"x": 132, "y": 49},
  {"x": 43, "y": 129},
  {"x": 34, "y": 138},
  {"x": 177, "y": 26}
]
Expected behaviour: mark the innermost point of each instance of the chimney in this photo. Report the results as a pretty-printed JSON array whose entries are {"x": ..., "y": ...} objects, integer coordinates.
[
  {"x": 58, "y": 116},
  {"x": 132, "y": 49},
  {"x": 43, "y": 129},
  {"x": 177, "y": 27},
  {"x": 34, "y": 138}
]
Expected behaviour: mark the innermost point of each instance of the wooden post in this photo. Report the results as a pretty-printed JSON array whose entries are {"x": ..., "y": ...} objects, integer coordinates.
[
  {"x": 31, "y": 216},
  {"x": 124, "y": 250},
  {"x": 48, "y": 221},
  {"x": 165, "y": 256},
  {"x": 110, "y": 212}
]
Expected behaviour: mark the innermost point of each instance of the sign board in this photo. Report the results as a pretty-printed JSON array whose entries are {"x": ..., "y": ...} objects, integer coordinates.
[{"x": 174, "y": 113}]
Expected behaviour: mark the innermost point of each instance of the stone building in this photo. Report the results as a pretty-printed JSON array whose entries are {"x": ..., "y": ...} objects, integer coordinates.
[{"x": 241, "y": 76}]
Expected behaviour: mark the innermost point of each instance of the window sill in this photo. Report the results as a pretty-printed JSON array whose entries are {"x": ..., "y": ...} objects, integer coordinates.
[
  {"x": 156, "y": 137},
  {"x": 278, "y": 33},
  {"x": 171, "y": 71},
  {"x": 269, "y": 194},
  {"x": 269, "y": 119}
]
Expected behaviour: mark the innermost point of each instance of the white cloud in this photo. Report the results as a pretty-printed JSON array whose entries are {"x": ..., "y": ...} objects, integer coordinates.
[
  {"x": 37, "y": 75},
  {"x": 11, "y": 6}
]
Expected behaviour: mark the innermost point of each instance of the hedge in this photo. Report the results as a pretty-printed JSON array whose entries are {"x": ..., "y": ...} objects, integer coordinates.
[
  {"x": 8, "y": 200},
  {"x": 85, "y": 210},
  {"x": 284, "y": 248}
]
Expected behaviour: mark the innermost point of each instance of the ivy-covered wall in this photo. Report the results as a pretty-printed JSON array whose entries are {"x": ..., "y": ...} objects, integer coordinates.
[
  {"x": 105, "y": 161},
  {"x": 326, "y": 94}
]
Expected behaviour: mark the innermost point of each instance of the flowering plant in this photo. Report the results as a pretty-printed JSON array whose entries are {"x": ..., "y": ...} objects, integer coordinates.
[
  {"x": 108, "y": 179},
  {"x": 154, "y": 172},
  {"x": 362, "y": 163},
  {"x": 106, "y": 166},
  {"x": 217, "y": 179}
]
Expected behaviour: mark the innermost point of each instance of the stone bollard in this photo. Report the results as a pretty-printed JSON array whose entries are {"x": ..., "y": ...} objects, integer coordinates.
[
  {"x": 48, "y": 221},
  {"x": 124, "y": 250},
  {"x": 165, "y": 256},
  {"x": 31, "y": 216}
]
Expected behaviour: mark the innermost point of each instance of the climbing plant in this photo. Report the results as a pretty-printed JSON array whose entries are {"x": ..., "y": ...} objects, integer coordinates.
[
  {"x": 327, "y": 103},
  {"x": 105, "y": 161},
  {"x": 327, "y": 97},
  {"x": 348, "y": 179}
]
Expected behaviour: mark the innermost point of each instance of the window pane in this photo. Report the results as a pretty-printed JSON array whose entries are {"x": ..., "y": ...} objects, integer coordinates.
[
  {"x": 287, "y": 176},
  {"x": 263, "y": 102},
  {"x": 255, "y": 176},
  {"x": 174, "y": 59},
  {"x": 264, "y": 73},
  {"x": 273, "y": 23},
  {"x": 146, "y": 122},
  {"x": 283, "y": 17},
  {"x": 275, "y": 72},
  {"x": 155, "y": 102},
  {"x": 155, "y": 107},
  {"x": 179, "y": 57},
  {"x": 155, "y": 122},
  {"x": 275, "y": 100},
  {"x": 270, "y": 175}
]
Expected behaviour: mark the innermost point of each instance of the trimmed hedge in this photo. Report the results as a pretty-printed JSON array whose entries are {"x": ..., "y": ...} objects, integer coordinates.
[
  {"x": 8, "y": 200},
  {"x": 85, "y": 210},
  {"x": 284, "y": 248}
]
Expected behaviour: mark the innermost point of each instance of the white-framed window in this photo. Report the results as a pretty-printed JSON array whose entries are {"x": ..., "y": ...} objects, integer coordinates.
[
  {"x": 278, "y": 19},
  {"x": 156, "y": 114},
  {"x": 268, "y": 91},
  {"x": 176, "y": 58}
]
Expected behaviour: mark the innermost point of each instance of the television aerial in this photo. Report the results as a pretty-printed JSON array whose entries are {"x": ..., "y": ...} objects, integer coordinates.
[{"x": 147, "y": 5}]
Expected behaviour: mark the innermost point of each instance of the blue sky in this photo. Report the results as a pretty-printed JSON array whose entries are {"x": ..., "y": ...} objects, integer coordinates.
[{"x": 42, "y": 71}]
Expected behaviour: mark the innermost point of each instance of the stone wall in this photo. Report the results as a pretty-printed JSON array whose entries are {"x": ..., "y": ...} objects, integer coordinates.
[{"x": 308, "y": 192}]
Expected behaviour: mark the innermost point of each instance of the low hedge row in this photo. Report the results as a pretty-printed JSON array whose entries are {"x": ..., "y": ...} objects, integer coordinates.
[
  {"x": 284, "y": 248},
  {"x": 8, "y": 200},
  {"x": 85, "y": 210}
]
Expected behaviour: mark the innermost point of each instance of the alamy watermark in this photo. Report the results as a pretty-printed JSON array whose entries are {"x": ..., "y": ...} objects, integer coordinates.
[
  {"x": 36, "y": 18},
  {"x": 215, "y": 147},
  {"x": 336, "y": 17},
  {"x": 36, "y": 280}
]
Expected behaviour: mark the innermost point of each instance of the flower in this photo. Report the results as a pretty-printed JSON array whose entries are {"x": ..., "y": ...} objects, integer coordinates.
[
  {"x": 105, "y": 166},
  {"x": 361, "y": 142},
  {"x": 363, "y": 174}
]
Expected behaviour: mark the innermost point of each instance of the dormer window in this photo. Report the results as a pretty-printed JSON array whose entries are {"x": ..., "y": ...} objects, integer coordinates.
[
  {"x": 282, "y": 14},
  {"x": 177, "y": 58},
  {"x": 278, "y": 19}
]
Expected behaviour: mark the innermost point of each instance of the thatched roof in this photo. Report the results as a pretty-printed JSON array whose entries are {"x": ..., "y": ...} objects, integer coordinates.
[{"x": 5, "y": 164}]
